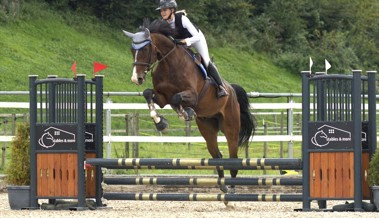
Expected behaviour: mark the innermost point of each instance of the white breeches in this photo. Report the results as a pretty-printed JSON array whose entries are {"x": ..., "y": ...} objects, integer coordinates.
[{"x": 202, "y": 48}]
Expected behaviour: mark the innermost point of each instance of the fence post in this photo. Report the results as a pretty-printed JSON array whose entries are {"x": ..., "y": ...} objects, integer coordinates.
[
  {"x": 80, "y": 140},
  {"x": 281, "y": 133},
  {"x": 290, "y": 127},
  {"x": 108, "y": 128},
  {"x": 357, "y": 139},
  {"x": 264, "y": 144},
  {"x": 3, "y": 156},
  {"x": 127, "y": 130},
  {"x": 14, "y": 118},
  {"x": 135, "y": 124}
]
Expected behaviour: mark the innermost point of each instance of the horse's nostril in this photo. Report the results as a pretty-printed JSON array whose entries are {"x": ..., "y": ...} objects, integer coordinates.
[{"x": 140, "y": 81}]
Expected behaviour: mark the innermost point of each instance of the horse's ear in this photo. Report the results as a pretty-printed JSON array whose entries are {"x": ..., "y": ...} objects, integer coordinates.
[
  {"x": 147, "y": 33},
  {"x": 128, "y": 33}
]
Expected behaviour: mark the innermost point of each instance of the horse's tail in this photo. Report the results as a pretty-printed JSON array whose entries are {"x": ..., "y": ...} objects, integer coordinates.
[{"x": 248, "y": 123}]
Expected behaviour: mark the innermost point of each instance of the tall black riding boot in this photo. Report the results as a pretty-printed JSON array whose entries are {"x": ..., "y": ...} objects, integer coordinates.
[{"x": 213, "y": 72}]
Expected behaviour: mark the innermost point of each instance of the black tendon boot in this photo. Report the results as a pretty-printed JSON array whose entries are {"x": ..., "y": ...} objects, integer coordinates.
[{"x": 213, "y": 72}]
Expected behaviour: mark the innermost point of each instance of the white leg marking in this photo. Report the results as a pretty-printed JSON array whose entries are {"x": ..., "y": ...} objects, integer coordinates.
[{"x": 154, "y": 114}]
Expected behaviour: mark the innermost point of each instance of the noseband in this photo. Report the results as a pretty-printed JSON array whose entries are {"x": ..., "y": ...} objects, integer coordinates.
[{"x": 149, "y": 65}]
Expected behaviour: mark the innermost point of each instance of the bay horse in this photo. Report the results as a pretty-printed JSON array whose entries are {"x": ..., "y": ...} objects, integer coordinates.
[{"x": 179, "y": 81}]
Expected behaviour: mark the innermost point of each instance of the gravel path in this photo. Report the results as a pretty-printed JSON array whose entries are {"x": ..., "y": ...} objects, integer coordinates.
[{"x": 182, "y": 209}]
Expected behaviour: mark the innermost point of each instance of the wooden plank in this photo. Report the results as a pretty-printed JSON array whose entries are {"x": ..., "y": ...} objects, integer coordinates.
[
  {"x": 324, "y": 166},
  {"x": 50, "y": 175},
  {"x": 311, "y": 175},
  {"x": 57, "y": 175},
  {"x": 339, "y": 175},
  {"x": 72, "y": 174},
  {"x": 64, "y": 174},
  {"x": 347, "y": 175},
  {"x": 40, "y": 174},
  {"x": 90, "y": 178},
  {"x": 316, "y": 175},
  {"x": 44, "y": 177},
  {"x": 365, "y": 165},
  {"x": 352, "y": 174},
  {"x": 332, "y": 175}
]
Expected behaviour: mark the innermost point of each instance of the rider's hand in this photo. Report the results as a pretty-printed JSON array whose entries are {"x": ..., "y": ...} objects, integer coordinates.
[{"x": 180, "y": 42}]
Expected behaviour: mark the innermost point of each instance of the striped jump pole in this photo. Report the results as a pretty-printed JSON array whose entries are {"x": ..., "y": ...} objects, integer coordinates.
[
  {"x": 177, "y": 163},
  {"x": 201, "y": 197},
  {"x": 200, "y": 181},
  {"x": 203, "y": 167}
]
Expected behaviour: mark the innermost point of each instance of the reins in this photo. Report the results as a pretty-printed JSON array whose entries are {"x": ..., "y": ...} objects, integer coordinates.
[{"x": 150, "y": 66}]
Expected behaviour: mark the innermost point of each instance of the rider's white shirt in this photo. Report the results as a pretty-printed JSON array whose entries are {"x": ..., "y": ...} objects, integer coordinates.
[{"x": 196, "y": 35}]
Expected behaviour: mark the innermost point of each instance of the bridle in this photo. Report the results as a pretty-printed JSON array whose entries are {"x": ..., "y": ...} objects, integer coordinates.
[{"x": 149, "y": 65}]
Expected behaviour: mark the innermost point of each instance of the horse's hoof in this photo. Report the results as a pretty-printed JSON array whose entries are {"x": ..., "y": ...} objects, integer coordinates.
[
  {"x": 226, "y": 203},
  {"x": 162, "y": 125},
  {"x": 224, "y": 188},
  {"x": 191, "y": 114},
  {"x": 231, "y": 190}
]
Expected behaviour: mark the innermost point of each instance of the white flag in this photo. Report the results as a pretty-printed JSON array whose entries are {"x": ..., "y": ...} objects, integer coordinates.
[
  {"x": 327, "y": 66},
  {"x": 310, "y": 64}
]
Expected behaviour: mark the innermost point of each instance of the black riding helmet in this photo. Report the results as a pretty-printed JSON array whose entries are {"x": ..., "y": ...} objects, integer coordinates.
[{"x": 167, "y": 4}]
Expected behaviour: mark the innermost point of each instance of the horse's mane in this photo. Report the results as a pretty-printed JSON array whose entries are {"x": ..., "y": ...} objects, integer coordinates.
[{"x": 159, "y": 26}]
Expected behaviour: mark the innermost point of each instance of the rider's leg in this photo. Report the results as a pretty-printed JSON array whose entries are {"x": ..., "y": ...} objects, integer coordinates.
[
  {"x": 202, "y": 48},
  {"x": 213, "y": 72}
]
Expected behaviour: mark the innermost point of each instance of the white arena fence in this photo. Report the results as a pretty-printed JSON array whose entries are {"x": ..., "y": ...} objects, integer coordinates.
[{"x": 290, "y": 107}]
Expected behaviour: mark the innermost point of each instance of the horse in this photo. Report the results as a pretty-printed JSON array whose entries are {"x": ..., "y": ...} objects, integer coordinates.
[{"x": 179, "y": 82}]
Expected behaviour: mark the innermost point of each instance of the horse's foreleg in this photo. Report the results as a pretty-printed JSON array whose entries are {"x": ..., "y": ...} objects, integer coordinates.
[
  {"x": 160, "y": 122},
  {"x": 184, "y": 98}
]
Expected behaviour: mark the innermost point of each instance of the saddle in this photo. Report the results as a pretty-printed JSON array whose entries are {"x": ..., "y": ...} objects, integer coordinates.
[{"x": 197, "y": 59}]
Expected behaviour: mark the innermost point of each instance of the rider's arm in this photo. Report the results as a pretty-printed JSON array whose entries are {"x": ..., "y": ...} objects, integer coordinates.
[{"x": 191, "y": 29}]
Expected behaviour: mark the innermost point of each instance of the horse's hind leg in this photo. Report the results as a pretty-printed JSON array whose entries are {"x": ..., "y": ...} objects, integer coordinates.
[
  {"x": 209, "y": 129},
  {"x": 233, "y": 174},
  {"x": 215, "y": 152},
  {"x": 231, "y": 135}
]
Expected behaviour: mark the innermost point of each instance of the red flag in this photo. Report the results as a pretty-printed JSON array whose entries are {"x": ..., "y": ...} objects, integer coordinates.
[
  {"x": 98, "y": 67},
  {"x": 73, "y": 68}
]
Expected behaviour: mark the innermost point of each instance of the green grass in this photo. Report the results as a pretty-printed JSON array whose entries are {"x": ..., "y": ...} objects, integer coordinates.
[{"x": 46, "y": 42}]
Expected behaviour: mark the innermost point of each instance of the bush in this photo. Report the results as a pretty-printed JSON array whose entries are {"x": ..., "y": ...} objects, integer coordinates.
[
  {"x": 9, "y": 10},
  {"x": 373, "y": 172},
  {"x": 18, "y": 170}
]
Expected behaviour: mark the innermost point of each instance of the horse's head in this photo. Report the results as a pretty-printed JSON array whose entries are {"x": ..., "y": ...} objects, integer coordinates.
[{"x": 142, "y": 54}]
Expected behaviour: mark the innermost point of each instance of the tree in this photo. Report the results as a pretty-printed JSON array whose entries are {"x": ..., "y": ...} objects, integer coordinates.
[{"x": 344, "y": 31}]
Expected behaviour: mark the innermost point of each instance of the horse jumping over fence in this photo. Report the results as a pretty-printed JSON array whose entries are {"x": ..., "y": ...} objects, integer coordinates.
[{"x": 179, "y": 82}]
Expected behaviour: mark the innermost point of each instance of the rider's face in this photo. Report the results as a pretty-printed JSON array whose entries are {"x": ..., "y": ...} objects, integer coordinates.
[{"x": 166, "y": 13}]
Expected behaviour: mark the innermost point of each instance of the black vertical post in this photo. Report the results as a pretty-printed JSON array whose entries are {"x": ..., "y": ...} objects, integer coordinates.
[
  {"x": 372, "y": 111},
  {"x": 51, "y": 104},
  {"x": 33, "y": 140},
  {"x": 357, "y": 139},
  {"x": 99, "y": 137},
  {"x": 321, "y": 100},
  {"x": 80, "y": 143},
  {"x": 305, "y": 153}
]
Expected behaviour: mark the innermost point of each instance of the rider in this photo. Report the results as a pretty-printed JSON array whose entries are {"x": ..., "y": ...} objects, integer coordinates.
[{"x": 191, "y": 36}]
